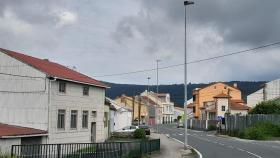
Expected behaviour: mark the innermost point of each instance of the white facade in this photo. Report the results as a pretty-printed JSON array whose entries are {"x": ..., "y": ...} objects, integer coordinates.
[
  {"x": 29, "y": 99},
  {"x": 271, "y": 90},
  {"x": 178, "y": 112},
  {"x": 120, "y": 116},
  {"x": 222, "y": 106}
]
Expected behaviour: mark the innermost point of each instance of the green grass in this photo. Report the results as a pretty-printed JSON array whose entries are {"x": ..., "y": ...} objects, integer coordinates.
[{"x": 260, "y": 131}]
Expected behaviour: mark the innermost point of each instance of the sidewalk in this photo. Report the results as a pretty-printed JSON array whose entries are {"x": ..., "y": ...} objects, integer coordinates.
[{"x": 169, "y": 148}]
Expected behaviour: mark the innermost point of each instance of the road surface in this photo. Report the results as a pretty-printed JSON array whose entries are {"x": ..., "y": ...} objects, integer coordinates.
[{"x": 211, "y": 146}]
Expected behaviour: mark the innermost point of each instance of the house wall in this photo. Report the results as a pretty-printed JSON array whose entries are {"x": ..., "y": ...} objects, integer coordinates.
[
  {"x": 222, "y": 102},
  {"x": 106, "y": 128},
  {"x": 73, "y": 99},
  {"x": 178, "y": 112},
  {"x": 128, "y": 102},
  {"x": 6, "y": 144},
  {"x": 270, "y": 91},
  {"x": 206, "y": 94},
  {"x": 122, "y": 119},
  {"x": 255, "y": 98},
  {"x": 24, "y": 100},
  {"x": 242, "y": 112}
]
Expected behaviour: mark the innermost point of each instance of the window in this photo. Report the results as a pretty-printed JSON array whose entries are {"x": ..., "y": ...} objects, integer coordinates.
[
  {"x": 62, "y": 87},
  {"x": 85, "y": 90},
  {"x": 85, "y": 119},
  {"x": 94, "y": 114},
  {"x": 105, "y": 119},
  {"x": 73, "y": 123},
  {"x": 61, "y": 119},
  {"x": 223, "y": 108},
  {"x": 194, "y": 97},
  {"x": 193, "y": 109}
]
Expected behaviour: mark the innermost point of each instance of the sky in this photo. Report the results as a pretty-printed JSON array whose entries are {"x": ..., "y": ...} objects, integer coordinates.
[{"x": 102, "y": 37}]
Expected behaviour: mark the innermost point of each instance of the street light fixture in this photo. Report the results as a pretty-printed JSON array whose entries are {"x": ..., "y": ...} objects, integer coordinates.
[
  {"x": 157, "y": 108},
  {"x": 185, "y": 77}
]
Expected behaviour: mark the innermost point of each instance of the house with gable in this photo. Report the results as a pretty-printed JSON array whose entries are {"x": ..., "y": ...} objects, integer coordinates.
[{"x": 48, "y": 101}]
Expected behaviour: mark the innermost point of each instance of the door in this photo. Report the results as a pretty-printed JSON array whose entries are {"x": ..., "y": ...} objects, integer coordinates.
[{"x": 93, "y": 132}]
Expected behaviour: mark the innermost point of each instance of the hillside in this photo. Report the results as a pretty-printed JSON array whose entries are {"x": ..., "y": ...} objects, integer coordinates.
[{"x": 176, "y": 90}]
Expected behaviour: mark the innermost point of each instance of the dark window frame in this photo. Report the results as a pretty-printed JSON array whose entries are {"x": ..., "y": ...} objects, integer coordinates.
[
  {"x": 85, "y": 119},
  {"x": 85, "y": 90},
  {"x": 62, "y": 87},
  {"x": 74, "y": 119},
  {"x": 223, "y": 108},
  {"x": 61, "y": 116}
]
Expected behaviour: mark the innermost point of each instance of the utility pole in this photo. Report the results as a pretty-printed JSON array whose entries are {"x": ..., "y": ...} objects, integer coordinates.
[
  {"x": 185, "y": 77},
  {"x": 139, "y": 110},
  {"x": 133, "y": 105},
  {"x": 157, "y": 108},
  {"x": 148, "y": 89}
]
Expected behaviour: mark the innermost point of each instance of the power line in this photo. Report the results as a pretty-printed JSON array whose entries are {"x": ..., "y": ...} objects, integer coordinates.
[
  {"x": 16, "y": 75},
  {"x": 192, "y": 62}
]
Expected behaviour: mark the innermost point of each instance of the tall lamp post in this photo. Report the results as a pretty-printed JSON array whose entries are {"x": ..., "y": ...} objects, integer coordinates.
[
  {"x": 185, "y": 77},
  {"x": 148, "y": 89},
  {"x": 157, "y": 108}
]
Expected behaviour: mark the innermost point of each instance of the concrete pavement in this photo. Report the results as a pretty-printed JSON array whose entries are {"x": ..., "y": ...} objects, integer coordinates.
[
  {"x": 171, "y": 149},
  {"x": 211, "y": 146}
]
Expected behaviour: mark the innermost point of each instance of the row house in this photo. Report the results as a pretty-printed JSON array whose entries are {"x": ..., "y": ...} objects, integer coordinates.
[
  {"x": 48, "y": 102},
  {"x": 165, "y": 108},
  {"x": 136, "y": 105}
]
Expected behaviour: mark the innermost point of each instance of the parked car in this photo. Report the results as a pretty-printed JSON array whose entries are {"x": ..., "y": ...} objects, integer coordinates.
[
  {"x": 131, "y": 128},
  {"x": 180, "y": 124},
  {"x": 146, "y": 128}
]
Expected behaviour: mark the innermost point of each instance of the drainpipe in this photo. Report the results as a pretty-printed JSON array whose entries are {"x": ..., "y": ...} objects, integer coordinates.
[{"x": 49, "y": 103}]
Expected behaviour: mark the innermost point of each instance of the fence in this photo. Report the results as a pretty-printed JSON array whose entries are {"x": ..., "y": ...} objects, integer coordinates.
[
  {"x": 201, "y": 124},
  {"x": 87, "y": 150},
  {"x": 235, "y": 123}
]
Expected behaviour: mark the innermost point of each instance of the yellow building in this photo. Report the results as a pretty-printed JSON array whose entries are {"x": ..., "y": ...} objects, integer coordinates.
[
  {"x": 136, "y": 105},
  {"x": 205, "y": 100}
]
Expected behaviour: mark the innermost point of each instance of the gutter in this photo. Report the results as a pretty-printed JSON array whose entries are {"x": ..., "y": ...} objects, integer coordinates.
[{"x": 21, "y": 136}]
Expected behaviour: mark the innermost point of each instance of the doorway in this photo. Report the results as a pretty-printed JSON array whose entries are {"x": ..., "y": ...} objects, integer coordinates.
[{"x": 93, "y": 132}]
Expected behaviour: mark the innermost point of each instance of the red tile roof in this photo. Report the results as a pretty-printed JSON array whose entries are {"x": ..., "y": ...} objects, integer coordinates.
[
  {"x": 238, "y": 105},
  {"x": 54, "y": 69},
  {"x": 222, "y": 95},
  {"x": 11, "y": 130}
]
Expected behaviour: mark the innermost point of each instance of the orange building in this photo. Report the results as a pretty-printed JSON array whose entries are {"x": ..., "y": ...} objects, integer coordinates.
[{"x": 203, "y": 96}]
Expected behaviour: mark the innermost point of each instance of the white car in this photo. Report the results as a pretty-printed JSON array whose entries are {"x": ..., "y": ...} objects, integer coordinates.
[{"x": 128, "y": 129}]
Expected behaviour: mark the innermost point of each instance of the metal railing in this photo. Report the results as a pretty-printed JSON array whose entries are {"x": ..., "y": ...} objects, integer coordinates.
[{"x": 127, "y": 149}]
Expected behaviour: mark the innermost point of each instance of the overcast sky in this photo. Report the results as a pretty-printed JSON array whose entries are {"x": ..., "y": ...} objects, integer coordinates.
[{"x": 101, "y": 37}]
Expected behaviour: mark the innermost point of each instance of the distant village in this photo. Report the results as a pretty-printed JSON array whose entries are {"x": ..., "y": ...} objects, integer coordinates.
[{"x": 45, "y": 102}]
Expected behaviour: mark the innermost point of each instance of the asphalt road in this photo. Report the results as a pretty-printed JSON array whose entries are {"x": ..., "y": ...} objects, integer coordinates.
[{"x": 212, "y": 146}]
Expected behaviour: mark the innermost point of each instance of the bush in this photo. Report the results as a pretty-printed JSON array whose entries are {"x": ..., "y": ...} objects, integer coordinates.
[
  {"x": 211, "y": 128},
  {"x": 260, "y": 131},
  {"x": 139, "y": 134},
  {"x": 267, "y": 107}
]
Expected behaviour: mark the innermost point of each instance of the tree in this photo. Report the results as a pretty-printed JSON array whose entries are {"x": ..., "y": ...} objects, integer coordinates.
[
  {"x": 267, "y": 107},
  {"x": 179, "y": 118}
]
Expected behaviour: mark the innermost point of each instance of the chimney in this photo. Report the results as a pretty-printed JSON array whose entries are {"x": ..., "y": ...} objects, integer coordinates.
[{"x": 235, "y": 85}]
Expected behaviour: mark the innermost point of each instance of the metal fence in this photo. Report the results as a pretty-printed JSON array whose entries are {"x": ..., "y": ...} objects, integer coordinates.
[
  {"x": 87, "y": 150},
  {"x": 201, "y": 124},
  {"x": 235, "y": 123}
]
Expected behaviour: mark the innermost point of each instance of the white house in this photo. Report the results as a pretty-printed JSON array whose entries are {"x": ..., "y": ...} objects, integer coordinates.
[
  {"x": 178, "y": 111},
  {"x": 120, "y": 116},
  {"x": 270, "y": 90},
  {"x": 40, "y": 94}
]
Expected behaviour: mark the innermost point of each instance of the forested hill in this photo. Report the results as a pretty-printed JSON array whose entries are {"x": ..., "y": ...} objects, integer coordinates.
[{"x": 176, "y": 90}]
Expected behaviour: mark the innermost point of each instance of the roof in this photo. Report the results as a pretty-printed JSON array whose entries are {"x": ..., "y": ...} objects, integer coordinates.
[
  {"x": 238, "y": 105},
  {"x": 12, "y": 130},
  {"x": 190, "y": 105},
  {"x": 161, "y": 94},
  {"x": 53, "y": 69},
  {"x": 222, "y": 95},
  {"x": 211, "y": 84}
]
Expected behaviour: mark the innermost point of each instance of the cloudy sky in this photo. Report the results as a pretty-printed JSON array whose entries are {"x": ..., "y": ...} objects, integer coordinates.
[{"x": 101, "y": 37}]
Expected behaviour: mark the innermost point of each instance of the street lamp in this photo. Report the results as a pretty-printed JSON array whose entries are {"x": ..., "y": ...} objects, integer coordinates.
[
  {"x": 148, "y": 89},
  {"x": 185, "y": 77},
  {"x": 156, "y": 111}
]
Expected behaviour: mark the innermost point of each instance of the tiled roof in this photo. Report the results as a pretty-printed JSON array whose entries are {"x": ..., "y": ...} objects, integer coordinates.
[
  {"x": 11, "y": 130},
  {"x": 222, "y": 95},
  {"x": 238, "y": 105},
  {"x": 190, "y": 105},
  {"x": 54, "y": 69}
]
